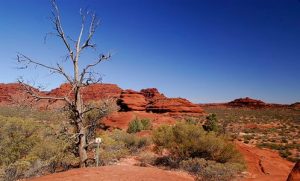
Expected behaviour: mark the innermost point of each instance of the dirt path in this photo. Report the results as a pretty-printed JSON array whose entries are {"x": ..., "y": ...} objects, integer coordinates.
[
  {"x": 264, "y": 164},
  {"x": 117, "y": 173}
]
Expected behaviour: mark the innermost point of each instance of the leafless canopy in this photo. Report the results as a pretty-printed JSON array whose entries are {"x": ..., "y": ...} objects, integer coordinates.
[
  {"x": 79, "y": 78},
  {"x": 74, "y": 48}
]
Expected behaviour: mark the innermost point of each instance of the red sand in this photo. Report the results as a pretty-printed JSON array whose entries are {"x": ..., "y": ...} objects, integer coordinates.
[{"x": 117, "y": 173}]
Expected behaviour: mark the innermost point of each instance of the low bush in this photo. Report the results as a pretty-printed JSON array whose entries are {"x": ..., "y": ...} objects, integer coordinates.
[
  {"x": 211, "y": 170},
  {"x": 138, "y": 125},
  {"x": 186, "y": 141},
  {"x": 211, "y": 123},
  {"x": 29, "y": 148},
  {"x": 118, "y": 144},
  {"x": 205, "y": 154}
]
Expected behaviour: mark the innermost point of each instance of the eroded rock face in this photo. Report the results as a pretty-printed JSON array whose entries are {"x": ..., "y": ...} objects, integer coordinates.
[
  {"x": 90, "y": 93},
  {"x": 295, "y": 173},
  {"x": 247, "y": 102},
  {"x": 151, "y": 100},
  {"x": 14, "y": 93},
  {"x": 174, "y": 105},
  {"x": 295, "y": 105},
  {"x": 132, "y": 101},
  {"x": 120, "y": 120},
  {"x": 152, "y": 94}
]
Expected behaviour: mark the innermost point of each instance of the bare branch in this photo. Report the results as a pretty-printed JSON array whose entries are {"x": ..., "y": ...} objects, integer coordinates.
[
  {"x": 37, "y": 97},
  {"x": 58, "y": 27},
  {"x": 21, "y": 58},
  {"x": 93, "y": 26},
  {"x": 89, "y": 66}
]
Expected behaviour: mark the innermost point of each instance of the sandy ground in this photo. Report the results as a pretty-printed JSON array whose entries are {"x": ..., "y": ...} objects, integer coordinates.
[
  {"x": 117, "y": 173},
  {"x": 264, "y": 164}
]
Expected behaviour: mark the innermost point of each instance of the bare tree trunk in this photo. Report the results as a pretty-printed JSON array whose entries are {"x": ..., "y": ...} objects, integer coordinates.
[
  {"x": 80, "y": 79},
  {"x": 82, "y": 146}
]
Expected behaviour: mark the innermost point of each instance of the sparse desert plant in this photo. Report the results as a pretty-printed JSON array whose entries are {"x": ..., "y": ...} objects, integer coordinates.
[
  {"x": 118, "y": 144},
  {"x": 211, "y": 170},
  {"x": 211, "y": 123},
  {"x": 30, "y": 148},
  {"x": 138, "y": 125},
  {"x": 285, "y": 153},
  {"x": 135, "y": 126},
  {"x": 147, "y": 158},
  {"x": 186, "y": 141}
]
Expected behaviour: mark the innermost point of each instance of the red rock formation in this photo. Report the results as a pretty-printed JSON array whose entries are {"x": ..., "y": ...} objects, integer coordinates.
[
  {"x": 295, "y": 173},
  {"x": 247, "y": 102},
  {"x": 149, "y": 100},
  {"x": 132, "y": 101},
  {"x": 153, "y": 101},
  {"x": 91, "y": 92},
  {"x": 152, "y": 94},
  {"x": 174, "y": 105},
  {"x": 295, "y": 105},
  {"x": 13, "y": 93},
  {"x": 120, "y": 120}
]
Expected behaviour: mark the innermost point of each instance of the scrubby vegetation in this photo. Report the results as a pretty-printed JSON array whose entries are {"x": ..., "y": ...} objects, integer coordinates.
[
  {"x": 35, "y": 142},
  {"x": 138, "y": 125},
  {"x": 273, "y": 128},
  {"x": 118, "y": 144},
  {"x": 28, "y": 147},
  {"x": 203, "y": 153},
  {"x": 211, "y": 123}
]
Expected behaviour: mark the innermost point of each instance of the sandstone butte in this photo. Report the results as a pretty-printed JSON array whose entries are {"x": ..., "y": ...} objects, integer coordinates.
[
  {"x": 246, "y": 102},
  {"x": 250, "y": 103}
]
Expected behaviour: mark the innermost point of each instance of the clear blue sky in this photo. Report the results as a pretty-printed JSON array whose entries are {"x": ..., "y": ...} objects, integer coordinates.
[{"x": 206, "y": 51}]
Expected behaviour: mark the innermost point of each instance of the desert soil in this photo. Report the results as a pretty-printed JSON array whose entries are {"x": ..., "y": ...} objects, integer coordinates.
[
  {"x": 117, "y": 173},
  {"x": 264, "y": 164}
]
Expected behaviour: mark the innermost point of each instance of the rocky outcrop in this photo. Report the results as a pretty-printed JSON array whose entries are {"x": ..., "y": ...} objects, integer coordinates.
[
  {"x": 247, "y": 102},
  {"x": 91, "y": 92},
  {"x": 14, "y": 93},
  {"x": 132, "y": 101},
  {"x": 120, "y": 120},
  {"x": 295, "y": 173},
  {"x": 295, "y": 106},
  {"x": 174, "y": 105},
  {"x": 151, "y": 100},
  {"x": 152, "y": 94}
]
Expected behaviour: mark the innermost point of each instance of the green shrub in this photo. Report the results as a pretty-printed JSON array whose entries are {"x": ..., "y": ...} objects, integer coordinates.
[
  {"x": 146, "y": 124},
  {"x": 211, "y": 123},
  {"x": 131, "y": 141},
  {"x": 211, "y": 170},
  {"x": 118, "y": 144},
  {"x": 138, "y": 125},
  {"x": 29, "y": 148},
  {"x": 191, "y": 120},
  {"x": 147, "y": 158},
  {"x": 111, "y": 150},
  {"x": 186, "y": 141},
  {"x": 285, "y": 153}
]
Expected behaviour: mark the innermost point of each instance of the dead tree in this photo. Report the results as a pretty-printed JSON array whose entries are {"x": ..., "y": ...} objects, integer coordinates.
[{"x": 82, "y": 76}]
